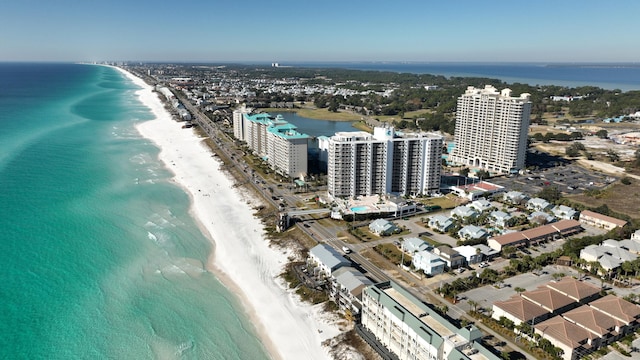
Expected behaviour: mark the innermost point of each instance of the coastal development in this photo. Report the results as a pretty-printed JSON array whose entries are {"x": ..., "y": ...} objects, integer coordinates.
[{"x": 426, "y": 244}]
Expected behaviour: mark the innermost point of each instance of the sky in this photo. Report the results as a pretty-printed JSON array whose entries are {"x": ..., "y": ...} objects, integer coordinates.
[{"x": 256, "y": 31}]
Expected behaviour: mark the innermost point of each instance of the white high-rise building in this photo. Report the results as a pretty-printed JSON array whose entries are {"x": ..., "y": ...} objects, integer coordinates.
[
  {"x": 359, "y": 163},
  {"x": 238, "y": 122},
  {"x": 491, "y": 130}
]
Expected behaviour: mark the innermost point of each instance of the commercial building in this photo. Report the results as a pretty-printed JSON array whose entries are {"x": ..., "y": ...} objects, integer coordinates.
[
  {"x": 491, "y": 130},
  {"x": 387, "y": 162},
  {"x": 394, "y": 320}
]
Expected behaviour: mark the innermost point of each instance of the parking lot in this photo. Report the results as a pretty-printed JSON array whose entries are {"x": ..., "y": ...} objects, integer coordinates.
[
  {"x": 568, "y": 178},
  {"x": 485, "y": 296}
]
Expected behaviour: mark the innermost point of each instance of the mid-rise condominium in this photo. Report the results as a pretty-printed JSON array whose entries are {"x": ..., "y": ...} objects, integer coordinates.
[
  {"x": 359, "y": 163},
  {"x": 397, "y": 321},
  {"x": 491, "y": 130}
]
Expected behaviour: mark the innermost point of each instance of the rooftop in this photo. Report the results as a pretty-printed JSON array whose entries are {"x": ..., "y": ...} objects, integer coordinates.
[
  {"x": 618, "y": 308},
  {"x": 575, "y": 289},
  {"x": 547, "y": 298},
  {"x": 521, "y": 308},
  {"x": 564, "y": 331}
]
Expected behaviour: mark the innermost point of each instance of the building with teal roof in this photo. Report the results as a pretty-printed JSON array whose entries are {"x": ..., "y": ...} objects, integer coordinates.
[
  {"x": 275, "y": 140},
  {"x": 410, "y": 329}
]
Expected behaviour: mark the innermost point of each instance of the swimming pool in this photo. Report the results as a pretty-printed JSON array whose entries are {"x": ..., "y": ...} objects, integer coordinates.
[{"x": 359, "y": 208}]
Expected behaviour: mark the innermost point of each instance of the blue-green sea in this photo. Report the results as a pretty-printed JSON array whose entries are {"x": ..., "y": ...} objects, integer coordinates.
[{"x": 100, "y": 259}]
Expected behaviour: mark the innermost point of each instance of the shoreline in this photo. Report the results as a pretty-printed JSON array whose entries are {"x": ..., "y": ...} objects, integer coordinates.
[{"x": 241, "y": 257}]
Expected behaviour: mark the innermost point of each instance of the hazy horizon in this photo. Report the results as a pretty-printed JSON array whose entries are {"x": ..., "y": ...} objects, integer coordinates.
[{"x": 292, "y": 32}]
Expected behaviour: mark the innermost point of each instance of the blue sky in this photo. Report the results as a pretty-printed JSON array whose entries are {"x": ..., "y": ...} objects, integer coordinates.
[{"x": 328, "y": 30}]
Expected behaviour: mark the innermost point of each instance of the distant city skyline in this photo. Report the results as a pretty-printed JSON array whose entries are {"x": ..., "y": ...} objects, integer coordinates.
[{"x": 330, "y": 31}]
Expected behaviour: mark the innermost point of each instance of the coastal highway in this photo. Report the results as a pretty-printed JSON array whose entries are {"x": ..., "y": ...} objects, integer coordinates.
[{"x": 322, "y": 235}]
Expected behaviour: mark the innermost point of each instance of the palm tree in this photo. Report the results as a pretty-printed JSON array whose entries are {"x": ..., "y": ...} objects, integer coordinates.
[
  {"x": 473, "y": 304},
  {"x": 444, "y": 309}
]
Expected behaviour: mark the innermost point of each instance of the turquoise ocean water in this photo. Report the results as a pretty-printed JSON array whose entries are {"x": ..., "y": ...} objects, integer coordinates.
[{"x": 100, "y": 259}]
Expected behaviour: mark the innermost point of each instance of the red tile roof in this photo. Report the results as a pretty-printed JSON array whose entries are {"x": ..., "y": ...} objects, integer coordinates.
[
  {"x": 510, "y": 238},
  {"x": 618, "y": 308},
  {"x": 547, "y": 298},
  {"x": 575, "y": 289},
  {"x": 564, "y": 331},
  {"x": 521, "y": 308},
  {"x": 593, "y": 320}
]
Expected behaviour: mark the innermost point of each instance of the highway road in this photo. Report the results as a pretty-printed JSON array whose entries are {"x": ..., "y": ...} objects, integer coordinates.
[{"x": 316, "y": 231}]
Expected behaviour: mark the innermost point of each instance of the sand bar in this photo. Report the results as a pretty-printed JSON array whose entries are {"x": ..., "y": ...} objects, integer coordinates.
[{"x": 242, "y": 258}]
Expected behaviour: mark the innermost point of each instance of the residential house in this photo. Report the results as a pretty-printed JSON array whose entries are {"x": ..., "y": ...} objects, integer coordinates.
[
  {"x": 608, "y": 255},
  {"x": 487, "y": 252},
  {"x": 440, "y": 223},
  {"x": 480, "y": 205},
  {"x": 413, "y": 245},
  {"x": 383, "y": 227},
  {"x": 452, "y": 258},
  {"x": 631, "y": 245},
  {"x": 564, "y": 212},
  {"x": 463, "y": 212},
  {"x": 472, "y": 232},
  {"x": 538, "y": 204},
  {"x": 472, "y": 254},
  {"x": 540, "y": 218},
  {"x": 500, "y": 218},
  {"x": 326, "y": 260},
  {"x": 430, "y": 263},
  {"x": 514, "y": 197},
  {"x": 346, "y": 290},
  {"x": 591, "y": 218}
]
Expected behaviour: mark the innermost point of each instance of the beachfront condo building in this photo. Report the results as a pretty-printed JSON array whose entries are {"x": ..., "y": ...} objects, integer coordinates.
[
  {"x": 395, "y": 320},
  {"x": 491, "y": 130},
  {"x": 385, "y": 162},
  {"x": 238, "y": 121},
  {"x": 275, "y": 140}
]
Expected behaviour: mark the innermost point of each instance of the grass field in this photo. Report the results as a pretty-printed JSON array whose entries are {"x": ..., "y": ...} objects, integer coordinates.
[
  {"x": 320, "y": 114},
  {"x": 624, "y": 199},
  {"x": 446, "y": 202}
]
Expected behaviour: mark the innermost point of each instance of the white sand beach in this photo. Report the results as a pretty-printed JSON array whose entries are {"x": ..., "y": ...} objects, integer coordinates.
[{"x": 241, "y": 258}]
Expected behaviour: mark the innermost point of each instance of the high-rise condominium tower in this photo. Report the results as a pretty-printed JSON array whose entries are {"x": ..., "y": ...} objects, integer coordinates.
[{"x": 491, "y": 130}]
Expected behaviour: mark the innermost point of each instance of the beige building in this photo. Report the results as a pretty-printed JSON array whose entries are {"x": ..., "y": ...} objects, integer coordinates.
[
  {"x": 491, "y": 130},
  {"x": 601, "y": 221}
]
